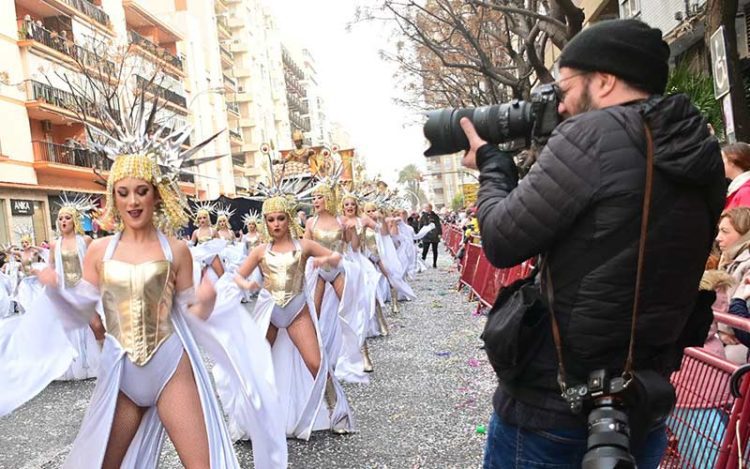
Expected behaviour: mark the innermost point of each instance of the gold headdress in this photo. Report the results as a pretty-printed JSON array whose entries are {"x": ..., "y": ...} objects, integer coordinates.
[
  {"x": 141, "y": 148},
  {"x": 204, "y": 208},
  {"x": 297, "y": 135},
  {"x": 76, "y": 208},
  {"x": 25, "y": 233},
  {"x": 223, "y": 214},
  {"x": 251, "y": 217}
]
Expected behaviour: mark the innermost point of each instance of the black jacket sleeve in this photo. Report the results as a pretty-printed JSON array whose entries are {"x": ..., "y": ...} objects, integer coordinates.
[
  {"x": 521, "y": 220},
  {"x": 438, "y": 224}
]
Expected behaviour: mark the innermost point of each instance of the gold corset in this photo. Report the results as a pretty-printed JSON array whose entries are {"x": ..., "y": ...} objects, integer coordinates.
[
  {"x": 331, "y": 239},
  {"x": 204, "y": 239},
  {"x": 252, "y": 242},
  {"x": 371, "y": 242},
  {"x": 283, "y": 274},
  {"x": 137, "y": 301},
  {"x": 228, "y": 237},
  {"x": 71, "y": 267},
  {"x": 26, "y": 266}
]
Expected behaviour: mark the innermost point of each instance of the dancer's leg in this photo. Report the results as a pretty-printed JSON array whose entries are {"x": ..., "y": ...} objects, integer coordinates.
[
  {"x": 338, "y": 285},
  {"x": 97, "y": 327},
  {"x": 181, "y": 413},
  {"x": 302, "y": 333},
  {"x": 124, "y": 426},
  {"x": 320, "y": 288},
  {"x": 271, "y": 334}
]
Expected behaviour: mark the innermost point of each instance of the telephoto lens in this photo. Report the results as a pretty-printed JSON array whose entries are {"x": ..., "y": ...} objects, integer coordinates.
[{"x": 609, "y": 437}]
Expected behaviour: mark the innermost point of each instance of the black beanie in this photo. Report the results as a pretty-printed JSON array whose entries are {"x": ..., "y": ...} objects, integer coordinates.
[{"x": 628, "y": 49}]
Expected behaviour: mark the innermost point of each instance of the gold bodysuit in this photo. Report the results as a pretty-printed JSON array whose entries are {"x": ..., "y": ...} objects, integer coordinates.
[
  {"x": 137, "y": 300},
  {"x": 71, "y": 266},
  {"x": 331, "y": 239},
  {"x": 371, "y": 242},
  {"x": 26, "y": 266},
  {"x": 251, "y": 242},
  {"x": 205, "y": 239},
  {"x": 283, "y": 274}
]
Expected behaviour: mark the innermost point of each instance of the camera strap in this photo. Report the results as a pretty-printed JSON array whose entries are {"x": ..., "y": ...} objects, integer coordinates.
[{"x": 549, "y": 289}]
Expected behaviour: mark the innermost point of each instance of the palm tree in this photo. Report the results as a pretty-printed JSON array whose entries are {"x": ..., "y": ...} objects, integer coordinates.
[{"x": 411, "y": 177}]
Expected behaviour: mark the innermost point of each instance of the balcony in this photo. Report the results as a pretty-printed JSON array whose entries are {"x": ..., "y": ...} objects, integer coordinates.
[
  {"x": 46, "y": 102},
  {"x": 222, "y": 25},
  {"x": 68, "y": 155},
  {"x": 238, "y": 159},
  {"x": 234, "y": 108},
  {"x": 80, "y": 8},
  {"x": 189, "y": 178},
  {"x": 221, "y": 5},
  {"x": 35, "y": 36},
  {"x": 155, "y": 50},
  {"x": 240, "y": 182},
  {"x": 235, "y": 136},
  {"x": 164, "y": 93},
  {"x": 139, "y": 16},
  {"x": 230, "y": 83},
  {"x": 226, "y": 56}
]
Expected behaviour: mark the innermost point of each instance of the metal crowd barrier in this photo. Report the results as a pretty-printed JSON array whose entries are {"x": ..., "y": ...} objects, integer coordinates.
[{"x": 709, "y": 427}]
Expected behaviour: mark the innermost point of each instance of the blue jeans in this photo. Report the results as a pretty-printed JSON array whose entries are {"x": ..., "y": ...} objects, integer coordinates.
[{"x": 511, "y": 447}]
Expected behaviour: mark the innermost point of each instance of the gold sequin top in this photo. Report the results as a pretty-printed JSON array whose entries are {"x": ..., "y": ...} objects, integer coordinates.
[
  {"x": 137, "y": 300},
  {"x": 71, "y": 267},
  {"x": 283, "y": 274},
  {"x": 205, "y": 239},
  {"x": 226, "y": 235},
  {"x": 331, "y": 239},
  {"x": 252, "y": 242}
]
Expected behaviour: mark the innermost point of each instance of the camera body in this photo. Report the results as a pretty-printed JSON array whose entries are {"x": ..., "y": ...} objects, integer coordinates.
[
  {"x": 533, "y": 120},
  {"x": 620, "y": 413}
]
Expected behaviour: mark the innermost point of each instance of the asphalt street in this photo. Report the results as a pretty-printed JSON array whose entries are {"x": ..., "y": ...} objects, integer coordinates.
[{"x": 425, "y": 407}]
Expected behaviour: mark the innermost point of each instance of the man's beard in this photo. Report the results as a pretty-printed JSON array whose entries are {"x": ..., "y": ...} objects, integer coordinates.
[{"x": 585, "y": 104}]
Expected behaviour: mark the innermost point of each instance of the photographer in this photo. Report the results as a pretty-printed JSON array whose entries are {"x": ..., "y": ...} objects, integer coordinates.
[{"x": 580, "y": 208}]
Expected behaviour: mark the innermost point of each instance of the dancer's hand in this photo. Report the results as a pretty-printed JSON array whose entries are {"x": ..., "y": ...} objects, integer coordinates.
[
  {"x": 47, "y": 277},
  {"x": 205, "y": 298}
]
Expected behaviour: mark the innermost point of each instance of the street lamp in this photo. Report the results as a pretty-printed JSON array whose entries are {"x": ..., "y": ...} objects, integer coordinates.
[{"x": 216, "y": 89}]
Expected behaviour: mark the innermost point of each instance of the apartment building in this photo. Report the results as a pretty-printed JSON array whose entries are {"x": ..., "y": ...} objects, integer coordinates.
[{"x": 42, "y": 43}]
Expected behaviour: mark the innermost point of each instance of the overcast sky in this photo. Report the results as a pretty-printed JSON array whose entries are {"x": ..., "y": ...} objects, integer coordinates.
[{"x": 357, "y": 85}]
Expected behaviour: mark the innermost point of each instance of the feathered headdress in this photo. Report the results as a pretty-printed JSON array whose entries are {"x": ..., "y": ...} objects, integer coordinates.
[
  {"x": 141, "y": 148},
  {"x": 76, "y": 208}
]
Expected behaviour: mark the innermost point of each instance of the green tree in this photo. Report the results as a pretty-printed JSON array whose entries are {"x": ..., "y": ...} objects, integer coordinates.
[
  {"x": 700, "y": 89},
  {"x": 458, "y": 202}
]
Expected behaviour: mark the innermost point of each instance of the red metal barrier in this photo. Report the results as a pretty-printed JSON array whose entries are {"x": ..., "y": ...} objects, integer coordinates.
[
  {"x": 708, "y": 428},
  {"x": 469, "y": 265}
]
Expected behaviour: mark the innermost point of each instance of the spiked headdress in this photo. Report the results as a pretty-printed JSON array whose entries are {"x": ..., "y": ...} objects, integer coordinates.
[
  {"x": 141, "y": 148},
  {"x": 251, "y": 217},
  {"x": 224, "y": 213},
  {"x": 76, "y": 208},
  {"x": 25, "y": 233},
  {"x": 204, "y": 208}
]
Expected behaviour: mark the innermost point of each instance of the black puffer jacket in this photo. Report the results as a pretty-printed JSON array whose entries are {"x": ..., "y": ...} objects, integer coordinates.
[{"x": 581, "y": 205}]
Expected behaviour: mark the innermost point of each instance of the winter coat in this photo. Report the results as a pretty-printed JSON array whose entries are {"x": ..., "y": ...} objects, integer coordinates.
[
  {"x": 425, "y": 219},
  {"x": 580, "y": 206},
  {"x": 739, "y": 196}
]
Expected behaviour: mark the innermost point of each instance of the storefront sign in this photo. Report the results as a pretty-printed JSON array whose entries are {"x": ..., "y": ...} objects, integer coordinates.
[{"x": 21, "y": 207}]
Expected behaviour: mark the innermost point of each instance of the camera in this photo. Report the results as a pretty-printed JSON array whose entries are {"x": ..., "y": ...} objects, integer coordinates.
[
  {"x": 620, "y": 414},
  {"x": 533, "y": 120}
]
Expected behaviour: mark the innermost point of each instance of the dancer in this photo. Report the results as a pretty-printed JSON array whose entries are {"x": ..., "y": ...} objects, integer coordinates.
[
  {"x": 29, "y": 287},
  {"x": 374, "y": 321},
  {"x": 286, "y": 312},
  {"x": 66, "y": 258},
  {"x": 206, "y": 246},
  {"x": 152, "y": 378},
  {"x": 252, "y": 237},
  {"x": 223, "y": 227},
  {"x": 335, "y": 288}
]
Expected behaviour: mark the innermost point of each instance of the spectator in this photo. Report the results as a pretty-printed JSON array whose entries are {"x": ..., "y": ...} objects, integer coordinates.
[
  {"x": 736, "y": 158},
  {"x": 580, "y": 206},
  {"x": 433, "y": 237},
  {"x": 413, "y": 221},
  {"x": 302, "y": 218},
  {"x": 734, "y": 242}
]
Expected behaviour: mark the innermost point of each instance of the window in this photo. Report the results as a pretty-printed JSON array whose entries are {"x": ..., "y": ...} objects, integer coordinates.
[{"x": 630, "y": 8}]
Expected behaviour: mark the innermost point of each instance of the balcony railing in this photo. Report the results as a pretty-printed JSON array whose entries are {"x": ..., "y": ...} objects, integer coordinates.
[
  {"x": 226, "y": 53},
  {"x": 222, "y": 22},
  {"x": 70, "y": 155},
  {"x": 241, "y": 182},
  {"x": 230, "y": 81},
  {"x": 236, "y": 135},
  {"x": 160, "y": 91},
  {"x": 155, "y": 49},
  {"x": 233, "y": 107},
  {"x": 238, "y": 160},
  {"x": 187, "y": 178},
  {"x": 65, "y": 45},
  {"x": 89, "y": 9}
]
